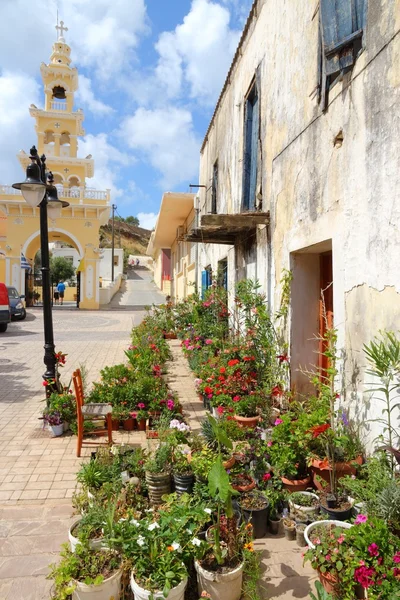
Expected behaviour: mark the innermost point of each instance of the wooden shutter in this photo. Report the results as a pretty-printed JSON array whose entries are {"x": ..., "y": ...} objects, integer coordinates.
[
  {"x": 254, "y": 152},
  {"x": 325, "y": 308},
  {"x": 247, "y": 154},
  {"x": 214, "y": 190}
]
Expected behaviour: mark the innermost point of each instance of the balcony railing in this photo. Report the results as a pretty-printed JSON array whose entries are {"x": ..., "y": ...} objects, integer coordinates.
[
  {"x": 58, "y": 106},
  {"x": 81, "y": 194}
]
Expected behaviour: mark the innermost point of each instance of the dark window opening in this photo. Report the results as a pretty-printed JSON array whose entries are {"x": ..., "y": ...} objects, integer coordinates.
[
  {"x": 250, "y": 160},
  {"x": 325, "y": 309},
  {"x": 214, "y": 189},
  {"x": 59, "y": 93},
  {"x": 342, "y": 24},
  {"x": 222, "y": 275}
]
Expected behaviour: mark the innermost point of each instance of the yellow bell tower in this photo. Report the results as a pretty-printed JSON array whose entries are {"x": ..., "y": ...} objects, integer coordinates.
[{"x": 58, "y": 127}]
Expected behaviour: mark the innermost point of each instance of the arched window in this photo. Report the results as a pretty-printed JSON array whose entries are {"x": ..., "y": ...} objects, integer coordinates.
[
  {"x": 65, "y": 143},
  {"x": 58, "y": 179},
  {"x": 49, "y": 136},
  {"x": 74, "y": 186}
]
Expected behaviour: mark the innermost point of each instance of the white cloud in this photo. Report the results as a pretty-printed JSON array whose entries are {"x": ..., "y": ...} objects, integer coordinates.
[
  {"x": 17, "y": 127},
  {"x": 108, "y": 160},
  {"x": 103, "y": 35},
  {"x": 167, "y": 137},
  {"x": 147, "y": 220},
  {"x": 86, "y": 96},
  {"x": 199, "y": 52}
]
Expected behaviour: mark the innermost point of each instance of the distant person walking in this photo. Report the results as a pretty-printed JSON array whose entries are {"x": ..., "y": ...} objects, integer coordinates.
[
  {"x": 56, "y": 296},
  {"x": 137, "y": 262},
  {"x": 61, "y": 290}
]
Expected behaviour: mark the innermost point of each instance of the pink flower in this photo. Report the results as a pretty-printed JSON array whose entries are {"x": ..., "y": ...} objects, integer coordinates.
[
  {"x": 278, "y": 421},
  {"x": 364, "y": 576},
  {"x": 208, "y": 342},
  {"x": 328, "y": 557},
  {"x": 396, "y": 557},
  {"x": 269, "y": 444},
  {"x": 373, "y": 550},
  {"x": 220, "y": 410},
  {"x": 236, "y": 398},
  {"x": 341, "y": 539},
  {"x": 170, "y": 404},
  {"x": 336, "y": 551},
  {"x": 317, "y": 541},
  {"x": 360, "y": 519},
  {"x": 141, "y": 405},
  {"x": 266, "y": 476}
]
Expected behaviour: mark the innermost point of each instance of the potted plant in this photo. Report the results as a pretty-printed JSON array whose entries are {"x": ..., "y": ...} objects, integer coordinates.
[
  {"x": 255, "y": 507},
  {"x": 141, "y": 417},
  {"x": 247, "y": 411},
  {"x": 87, "y": 573},
  {"x": 182, "y": 474},
  {"x": 65, "y": 404},
  {"x": 220, "y": 571},
  {"x": 94, "y": 528},
  {"x": 242, "y": 482},
  {"x": 288, "y": 454},
  {"x": 54, "y": 420},
  {"x": 306, "y": 503},
  {"x": 289, "y": 528},
  {"x": 158, "y": 473}
]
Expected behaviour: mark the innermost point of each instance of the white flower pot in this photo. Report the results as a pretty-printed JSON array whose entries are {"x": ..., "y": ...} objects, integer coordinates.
[
  {"x": 220, "y": 586},
  {"x": 176, "y": 593},
  {"x": 57, "y": 429},
  {"x": 110, "y": 589},
  {"x": 98, "y": 543},
  {"x": 307, "y": 510},
  {"x": 312, "y": 526}
]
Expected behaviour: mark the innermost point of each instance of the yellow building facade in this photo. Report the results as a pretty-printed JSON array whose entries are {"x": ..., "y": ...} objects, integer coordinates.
[
  {"x": 58, "y": 127},
  {"x": 174, "y": 259}
]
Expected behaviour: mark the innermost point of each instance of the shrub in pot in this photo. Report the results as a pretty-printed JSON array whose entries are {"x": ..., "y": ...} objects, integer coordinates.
[
  {"x": 54, "y": 420},
  {"x": 247, "y": 410},
  {"x": 158, "y": 473},
  {"x": 288, "y": 454},
  {"x": 182, "y": 474},
  {"x": 255, "y": 508},
  {"x": 86, "y": 574},
  {"x": 220, "y": 570}
]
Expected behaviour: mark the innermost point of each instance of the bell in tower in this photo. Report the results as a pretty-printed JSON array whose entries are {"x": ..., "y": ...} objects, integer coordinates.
[{"x": 59, "y": 92}]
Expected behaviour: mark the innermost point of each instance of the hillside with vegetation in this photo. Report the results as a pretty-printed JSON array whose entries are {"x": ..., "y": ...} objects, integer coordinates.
[{"x": 128, "y": 235}]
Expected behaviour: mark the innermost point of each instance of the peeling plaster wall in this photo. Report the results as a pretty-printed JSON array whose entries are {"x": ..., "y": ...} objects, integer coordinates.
[{"x": 348, "y": 194}]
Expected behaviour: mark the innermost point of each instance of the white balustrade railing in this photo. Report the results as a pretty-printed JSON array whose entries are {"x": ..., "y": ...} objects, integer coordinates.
[
  {"x": 79, "y": 193},
  {"x": 58, "y": 106}
]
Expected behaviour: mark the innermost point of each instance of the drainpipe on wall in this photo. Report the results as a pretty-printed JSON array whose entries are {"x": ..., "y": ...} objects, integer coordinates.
[{"x": 196, "y": 206}]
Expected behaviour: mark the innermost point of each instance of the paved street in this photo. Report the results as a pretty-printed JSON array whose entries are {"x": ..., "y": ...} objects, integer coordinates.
[{"x": 139, "y": 290}]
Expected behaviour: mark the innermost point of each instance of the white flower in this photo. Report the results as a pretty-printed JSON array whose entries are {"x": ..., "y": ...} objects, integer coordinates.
[
  {"x": 208, "y": 511},
  {"x": 196, "y": 542},
  {"x": 188, "y": 531},
  {"x": 153, "y": 526},
  {"x": 134, "y": 522},
  {"x": 149, "y": 510},
  {"x": 122, "y": 520},
  {"x": 140, "y": 540},
  {"x": 176, "y": 546}
]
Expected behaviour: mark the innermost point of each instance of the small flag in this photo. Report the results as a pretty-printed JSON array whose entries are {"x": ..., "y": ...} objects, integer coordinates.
[
  {"x": 24, "y": 262},
  {"x": 81, "y": 266}
]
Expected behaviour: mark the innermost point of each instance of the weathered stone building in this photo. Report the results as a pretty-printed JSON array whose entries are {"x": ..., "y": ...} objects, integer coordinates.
[{"x": 303, "y": 153}]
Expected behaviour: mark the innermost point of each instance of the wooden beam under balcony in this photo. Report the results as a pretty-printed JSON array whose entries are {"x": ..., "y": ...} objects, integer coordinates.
[
  {"x": 203, "y": 236},
  {"x": 237, "y": 223}
]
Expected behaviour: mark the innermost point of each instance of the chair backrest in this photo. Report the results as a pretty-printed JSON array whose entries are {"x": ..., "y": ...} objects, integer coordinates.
[{"x": 78, "y": 386}]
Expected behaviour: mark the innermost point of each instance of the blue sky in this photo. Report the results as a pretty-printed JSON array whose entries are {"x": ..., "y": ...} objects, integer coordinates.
[{"x": 150, "y": 74}]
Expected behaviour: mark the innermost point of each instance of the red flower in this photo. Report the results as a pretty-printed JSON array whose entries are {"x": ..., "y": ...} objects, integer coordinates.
[
  {"x": 220, "y": 410},
  {"x": 208, "y": 390},
  {"x": 45, "y": 383},
  {"x": 283, "y": 357},
  {"x": 236, "y": 398},
  {"x": 222, "y": 370},
  {"x": 233, "y": 362},
  {"x": 318, "y": 429},
  {"x": 266, "y": 476},
  {"x": 248, "y": 358},
  {"x": 277, "y": 391}
]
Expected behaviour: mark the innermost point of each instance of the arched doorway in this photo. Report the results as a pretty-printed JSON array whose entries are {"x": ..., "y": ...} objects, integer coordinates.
[{"x": 62, "y": 244}]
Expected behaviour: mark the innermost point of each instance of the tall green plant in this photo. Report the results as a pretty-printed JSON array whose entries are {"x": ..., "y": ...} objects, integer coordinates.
[
  {"x": 383, "y": 356},
  {"x": 221, "y": 490}
]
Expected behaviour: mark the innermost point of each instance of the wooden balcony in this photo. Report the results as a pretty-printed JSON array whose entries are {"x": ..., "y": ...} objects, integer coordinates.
[{"x": 225, "y": 229}]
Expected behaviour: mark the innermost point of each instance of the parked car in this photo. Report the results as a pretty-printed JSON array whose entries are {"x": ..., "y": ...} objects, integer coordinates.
[
  {"x": 5, "y": 312},
  {"x": 17, "y": 307}
]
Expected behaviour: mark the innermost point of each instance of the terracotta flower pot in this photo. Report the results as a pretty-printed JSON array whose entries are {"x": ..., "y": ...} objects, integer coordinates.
[
  {"x": 228, "y": 464},
  {"x": 322, "y": 468},
  {"x": 296, "y": 485},
  {"x": 129, "y": 424},
  {"x": 115, "y": 424},
  {"x": 243, "y": 487},
  {"x": 329, "y": 582},
  {"x": 251, "y": 422},
  {"x": 141, "y": 424}
]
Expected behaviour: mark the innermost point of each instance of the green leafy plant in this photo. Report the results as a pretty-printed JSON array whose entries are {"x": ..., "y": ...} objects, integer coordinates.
[
  {"x": 322, "y": 594},
  {"x": 383, "y": 356}
]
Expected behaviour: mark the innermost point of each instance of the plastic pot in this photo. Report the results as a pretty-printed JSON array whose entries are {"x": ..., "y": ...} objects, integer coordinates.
[
  {"x": 183, "y": 483},
  {"x": 251, "y": 484},
  {"x": 289, "y": 531},
  {"x": 176, "y": 593},
  {"x": 300, "y": 535},
  {"x": 74, "y": 541},
  {"x": 306, "y": 510},
  {"x": 337, "y": 515},
  {"x": 220, "y": 586},
  {"x": 109, "y": 588},
  {"x": 258, "y": 517},
  {"x": 115, "y": 424},
  {"x": 329, "y": 582},
  {"x": 141, "y": 424},
  {"x": 158, "y": 484},
  {"x": 57, "y": 430},
  {"x": 274, "y": 526},
  {"x": 321, "y": 469},
  {"x": 309, "y": 529}
]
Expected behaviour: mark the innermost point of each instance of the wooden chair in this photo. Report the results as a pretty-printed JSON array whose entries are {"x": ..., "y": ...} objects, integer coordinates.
[{"x": 90, "y": 412}]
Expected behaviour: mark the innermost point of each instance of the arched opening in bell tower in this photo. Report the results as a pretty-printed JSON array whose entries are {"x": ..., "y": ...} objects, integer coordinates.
[
  {"x": 65, "y": 144},
  {"x": 58, "y": 98}
]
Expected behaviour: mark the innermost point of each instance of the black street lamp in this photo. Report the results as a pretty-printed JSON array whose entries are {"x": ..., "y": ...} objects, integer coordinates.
[{"x": 38, "y": 189}]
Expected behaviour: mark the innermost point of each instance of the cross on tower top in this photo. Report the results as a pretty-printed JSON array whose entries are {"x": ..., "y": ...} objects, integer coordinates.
[{"x": 60, "y": 29}]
